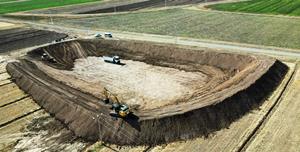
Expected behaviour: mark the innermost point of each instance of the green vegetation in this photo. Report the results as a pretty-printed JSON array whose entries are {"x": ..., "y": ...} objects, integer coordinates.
[
  {"x": 285, "y": 7},
  {"x": 36, "y": 4},
  {"x": 260, "y": 30},
  {"x": 6, "y": 1}
]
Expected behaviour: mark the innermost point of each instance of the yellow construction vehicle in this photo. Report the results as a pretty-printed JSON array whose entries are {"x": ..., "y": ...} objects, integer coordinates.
[{"x": 118, "y": 109}]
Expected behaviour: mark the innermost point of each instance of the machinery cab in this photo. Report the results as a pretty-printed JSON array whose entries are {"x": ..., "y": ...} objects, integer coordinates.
[
  {"x": 113, "y": 59},
  {"x": 120, "y": 110},
  {"x": 98, "y": 35},
  {"x": 108, "y": 35},
  {"x": 116, "y": 59},
  {"x": 46, "y": 57}
]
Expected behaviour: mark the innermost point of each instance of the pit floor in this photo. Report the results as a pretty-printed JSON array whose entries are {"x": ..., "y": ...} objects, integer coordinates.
[{"x": 135, "y": 83}]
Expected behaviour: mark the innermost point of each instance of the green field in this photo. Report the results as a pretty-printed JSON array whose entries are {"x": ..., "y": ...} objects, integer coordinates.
[
  {"x": 36, "y": 4},
  {"x": 284, "y": 7},
  {"x": 6, "y": 1},
  {"x": 261, "y": 30}
]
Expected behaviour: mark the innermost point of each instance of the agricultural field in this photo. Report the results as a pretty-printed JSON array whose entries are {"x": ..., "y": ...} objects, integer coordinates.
[
  {"x": 259, "y": 30},
  {"x": 285, "y": 7},
  {"x": 26, "y": 5},
  {"x": 4, "y": 1}
]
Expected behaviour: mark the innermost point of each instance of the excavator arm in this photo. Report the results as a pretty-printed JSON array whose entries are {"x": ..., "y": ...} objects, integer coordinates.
[{"x": 120, "y": 109}]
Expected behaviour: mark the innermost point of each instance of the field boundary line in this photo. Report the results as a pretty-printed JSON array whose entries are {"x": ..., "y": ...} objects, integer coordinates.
[
  {"x": 20, "y": 117},
  {"x": 17, "y": 100},
  {"x": 5, "y": 83},
  {"x": 3, "y": 72}
]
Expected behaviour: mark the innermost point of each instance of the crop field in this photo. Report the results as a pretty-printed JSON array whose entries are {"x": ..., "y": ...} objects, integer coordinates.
[
  {"x": 26, "y": 5},
  {"x": 18, "y": 38},
  {"x": 285, "y": 7},
  {"x": 2, "y": 1},
  {"x": 260, "y": 30}
]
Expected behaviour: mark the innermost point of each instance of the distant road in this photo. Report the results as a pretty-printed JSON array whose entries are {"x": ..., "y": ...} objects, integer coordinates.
[{"x": 217, "y": 45}]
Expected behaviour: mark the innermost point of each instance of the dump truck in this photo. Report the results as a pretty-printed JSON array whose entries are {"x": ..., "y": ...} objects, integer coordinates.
[{"x": 113, "y": 59}]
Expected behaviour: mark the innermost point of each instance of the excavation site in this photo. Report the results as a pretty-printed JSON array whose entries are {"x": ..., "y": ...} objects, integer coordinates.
[{"x": 141, "y": 93}]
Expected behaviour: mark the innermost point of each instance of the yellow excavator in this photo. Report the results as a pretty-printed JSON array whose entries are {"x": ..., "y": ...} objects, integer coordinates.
[{"x": 118, "y": 109}]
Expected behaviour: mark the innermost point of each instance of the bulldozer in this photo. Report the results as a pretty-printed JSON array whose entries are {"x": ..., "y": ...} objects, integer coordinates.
[{"x": 118, "y": 109}]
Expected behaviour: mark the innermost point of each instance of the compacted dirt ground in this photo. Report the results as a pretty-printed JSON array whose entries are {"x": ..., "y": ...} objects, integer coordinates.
[
  {"x": 135, "y": 83},
  {"x": 4, "y": 24}
]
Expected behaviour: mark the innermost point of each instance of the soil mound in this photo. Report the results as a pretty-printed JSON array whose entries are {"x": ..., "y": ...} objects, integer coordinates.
[{"x": 225, "y": 86}]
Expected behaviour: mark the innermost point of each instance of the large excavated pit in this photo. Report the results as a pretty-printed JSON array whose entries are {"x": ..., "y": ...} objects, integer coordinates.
[{"x": 174, "y": 93}]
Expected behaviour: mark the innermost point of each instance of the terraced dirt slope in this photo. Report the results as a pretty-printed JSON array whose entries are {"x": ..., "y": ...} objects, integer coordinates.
[
  {"x": 245, "y": 83},
  {"x": 18, "y": 38}
]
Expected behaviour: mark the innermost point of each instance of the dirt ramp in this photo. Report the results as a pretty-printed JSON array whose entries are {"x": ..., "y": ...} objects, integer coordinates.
[{"x": 234, "y": 84}]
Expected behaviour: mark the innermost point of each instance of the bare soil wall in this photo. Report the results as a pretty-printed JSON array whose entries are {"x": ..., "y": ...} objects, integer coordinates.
[{"x": 253, "y": 79}]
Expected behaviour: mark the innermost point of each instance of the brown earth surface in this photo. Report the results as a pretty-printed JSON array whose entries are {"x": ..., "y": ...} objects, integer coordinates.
[
  {"x": 4, "y": 24},
  {"x": 24, "y": 126},
  {"x": 22, "y": 37},
  {"x": 214, "y": 88},
  {"x": 136, "y": 83}
]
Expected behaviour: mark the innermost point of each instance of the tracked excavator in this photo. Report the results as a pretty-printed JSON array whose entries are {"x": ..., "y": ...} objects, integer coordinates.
[{"x": 118, "y": 109}]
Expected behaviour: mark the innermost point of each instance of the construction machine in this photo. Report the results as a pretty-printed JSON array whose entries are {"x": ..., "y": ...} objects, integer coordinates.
[
  {"x": 114, "y": 59},
  {"x": 47, "y": 57},
  {"x": 118, "y": 109},
  {"x": 108, "y": 35}
]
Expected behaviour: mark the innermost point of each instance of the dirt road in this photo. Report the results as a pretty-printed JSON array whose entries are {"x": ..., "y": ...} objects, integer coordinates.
[{"x": 228, "y": 46}]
